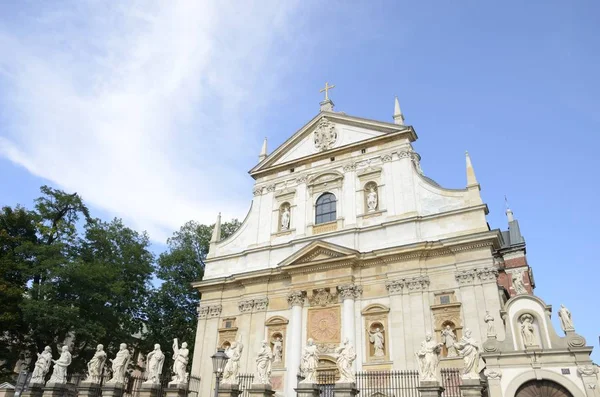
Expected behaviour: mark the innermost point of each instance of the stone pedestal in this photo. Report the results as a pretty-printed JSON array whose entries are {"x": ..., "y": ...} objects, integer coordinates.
[
  {"x": 430, "y": 388},
  {"x": 55, "y": 390},
  {"x": 260, "y": 390},
  {"x": 345, "y": 390},
  {"x": 149, "y": 390},
  {"x": 87, "y": 389},
  {"x": 471, "y": 388},
  {"x": 34, "y": 390},
  {"x": 112, "y": 390},
  {"x": 176, "y": 390},
  {"x": 307, "y": 390},
  {"x": 7, "y": 391},
  {"x": 229, "y": 390}
]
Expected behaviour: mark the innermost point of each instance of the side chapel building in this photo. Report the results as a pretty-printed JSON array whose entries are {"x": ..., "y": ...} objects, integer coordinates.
[{"x": 347, "y": 238}]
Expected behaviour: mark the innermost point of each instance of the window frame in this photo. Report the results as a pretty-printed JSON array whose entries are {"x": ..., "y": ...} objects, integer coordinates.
[{"x": 329, "y": 215}]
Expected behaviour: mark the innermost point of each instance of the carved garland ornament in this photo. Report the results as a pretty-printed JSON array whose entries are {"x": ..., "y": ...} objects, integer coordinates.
[{"x": 325, "y": 135}]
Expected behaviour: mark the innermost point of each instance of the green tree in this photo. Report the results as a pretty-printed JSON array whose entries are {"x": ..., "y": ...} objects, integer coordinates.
[{"x": 172, "y": 309}]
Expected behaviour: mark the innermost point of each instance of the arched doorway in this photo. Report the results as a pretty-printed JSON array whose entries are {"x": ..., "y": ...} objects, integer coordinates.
[{"x": 542, "y": 388}]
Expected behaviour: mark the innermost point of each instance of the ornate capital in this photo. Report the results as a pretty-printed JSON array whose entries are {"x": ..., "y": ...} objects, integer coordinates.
[
  {"x": 493, "y": 373},
  {"x": 296, "y": 298},
  {"x": 349, "y": 291},
  {"x": 257, "y": 191},
  {"x": 417, "y": 283},
  {"x": 214, "y": 311},
  {"x": 386, "y": 157},
  {"x": 261, "y": 304},
  {"x": 246, "y": 305},
  {"x": 464, "y": 277},
  {"x": 202, "y": 311},
  {"x": 587, "y": 370},
  {"x": 487, "y": 274},
  {"x": 394, "y": 287},
  {"x": 301, "y": 179},
  {"x": 271, "y": 188},
  {"x": 349, "y": 167}
]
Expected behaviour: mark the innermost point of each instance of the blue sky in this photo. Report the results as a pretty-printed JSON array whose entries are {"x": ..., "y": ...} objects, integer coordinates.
[{"x": 154, "y": 111}]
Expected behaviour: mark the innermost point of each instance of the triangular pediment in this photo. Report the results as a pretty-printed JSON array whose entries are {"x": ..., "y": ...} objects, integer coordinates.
[
  {"x": 318, "y": 252},
  {"x": 327, "y": 133}
]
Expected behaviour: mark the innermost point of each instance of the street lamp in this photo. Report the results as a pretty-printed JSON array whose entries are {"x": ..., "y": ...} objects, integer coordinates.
[{"x": 219, "y": 359}]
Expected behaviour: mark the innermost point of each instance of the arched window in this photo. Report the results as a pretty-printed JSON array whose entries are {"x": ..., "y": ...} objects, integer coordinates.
[{"x": 325, "y": 211}]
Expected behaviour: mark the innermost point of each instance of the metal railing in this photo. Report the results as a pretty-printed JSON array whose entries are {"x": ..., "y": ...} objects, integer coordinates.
[{"x": 451, "y": 382}]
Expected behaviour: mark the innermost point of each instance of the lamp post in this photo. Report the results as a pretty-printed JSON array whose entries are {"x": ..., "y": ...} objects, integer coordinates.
[{"x": 218, "y": 359}]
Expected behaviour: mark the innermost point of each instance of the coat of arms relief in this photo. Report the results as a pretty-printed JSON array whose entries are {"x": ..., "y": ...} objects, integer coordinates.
[{"x": 325, "y": 135}]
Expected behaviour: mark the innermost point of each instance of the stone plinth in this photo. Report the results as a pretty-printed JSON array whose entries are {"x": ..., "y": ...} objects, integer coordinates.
[
  {"x": 176, "y": 390},
  {"x": 345, "y": 389},
  {"x": 149, "y": 390},
  {"x": 471, "y": 388},
  {"x": 87, "y": 389},
  {"x": 430, "y": 388},
  {"x": 55, "y": 390},
  {"x": 112, "y": 390},
  {"x": 227, "y": 390},
  {"x": 7, "y": 390},
  {"x": 260, "y": 390},
  {"x": 34, "y": 390},
  {"x": 307, "y": 390}
]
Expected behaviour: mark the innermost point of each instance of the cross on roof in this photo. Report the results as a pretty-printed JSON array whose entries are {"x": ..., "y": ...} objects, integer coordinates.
[{"x": 326, "y": 90}]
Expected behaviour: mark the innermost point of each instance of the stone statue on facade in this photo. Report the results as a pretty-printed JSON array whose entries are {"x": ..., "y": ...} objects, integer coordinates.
[
  {"x": 489, "y": 321},
  {"x": 469, "y": 350},
  {"x": 154, "y": 365},
  {"x": 264, "y": 361},
  {"x": 428, "y": 358},
  {"x": 232, "y": 367},
  {"x": 278, "y": 350},
  {"x": 566, "y": 322},
  {"x": 285, "y": 218},
  {"x": 96, "y": 365},
  {"x": 517, "y": 283},
  {"x": 180, "y": 362},
  {"x": 449, "y": 339},
  {"x": 309, "y": 362},
  {"x": 528, "y": 330},
  {"x": 372, "y": 200},
  {"x": 42, "y": 366},
  {"x": 378, "y": 341},
  {"x": 59, "y": 373},
  {"x": 119, "y": 364},
  {"x": 346, "y": 356}
]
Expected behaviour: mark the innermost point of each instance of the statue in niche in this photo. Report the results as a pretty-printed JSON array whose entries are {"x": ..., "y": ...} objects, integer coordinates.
[
  {"x": 232, "y": 367},
  {"x": 309, "y": 362},
  {"x": 566, "y": 322},
  {"x": 42, "y": 366},
  {"x": 469, "y": 350},
  {"x": 154, "y": 365},
  {"x": 278, "y": 350},
  {"x": 285, "y": 218},
  {"x": 527, "y": 330},
  {"x": 264, "y": 361},
  {"x": 345, "y": 358},
  {"x": 59, "y": 373},
  {"x": 517, "y": 283},
  {"x": 378, "y": 341},
  {"x": 95, "y": 365},
  {"x": 180, "y": 362},
  {"x": 119, "y": 364},
  {"x": 372, "y": 199},
  {"x": 489, "y": 321},
  {"x": 449, "y": 339},
  {"x": 428, "y": 358}
]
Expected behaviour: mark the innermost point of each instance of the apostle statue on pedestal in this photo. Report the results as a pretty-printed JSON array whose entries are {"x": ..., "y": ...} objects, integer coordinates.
[
  {"x": 428, "y": 358},
  {"x": 449, "y": 339},
  {"x": 264, "y": 361},
  {"x": 309, "y": 362},
  {"x": 59, "y": 374},
  {"x": 96, "y": 365},
  {"x": 345, "y": 358},
  {"x": 42, "y": 366},
  {"x": 469, "y": 350},
  {"x": 119, "y": 364},
  {"x": 180, "y": 362},
  {"x": 566, "y": 321},
  {"x": 232, "y": 367},
  {"x": 154, "y": 365}
]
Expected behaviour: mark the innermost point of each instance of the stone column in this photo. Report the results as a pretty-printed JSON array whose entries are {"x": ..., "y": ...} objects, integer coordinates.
[
  {"x": 149, "y": 390},
  {"x": 349, "y": 293},
  {"x": 259, "y": 390},
  {"x": 397, "y": 323},
  {"x": 430, "y": 388},
  {"x": 55, "y": 390},
  {"x": 307, "y": 390},
  {"x": 493, "y": 377},
  {"x": 112, "y": 390},
  {"x": 229, "y": 390},
  {"x": 471, "y": 388},
  {"x": 488, "y": 277},
  {"x": 87, "y": 389},
  {"x": 345, "y": 390},
  {"x": 34, "y": 390},
  {"x": 294, "y": 344}
]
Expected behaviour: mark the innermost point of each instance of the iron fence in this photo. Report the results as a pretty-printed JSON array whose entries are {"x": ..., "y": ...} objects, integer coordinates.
[
  {"x": 388, "y": 383},
  {"x": 451, "y": 382},
  {"x": 244, "y": 381}
]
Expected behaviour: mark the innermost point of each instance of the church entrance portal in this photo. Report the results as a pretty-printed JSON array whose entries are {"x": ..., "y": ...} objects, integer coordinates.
[{"x": 542, "y": 388}]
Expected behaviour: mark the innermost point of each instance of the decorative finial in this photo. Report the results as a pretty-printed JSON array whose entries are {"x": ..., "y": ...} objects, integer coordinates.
[
  {"x": 263, "y": 151},
  {"x": 398, "y": 116},
  {"x": 216, "y": 236},
  {"x": 471, "y": 179},
  {"x": 326, "y": 90},
  {"x": 327, "y": 104},
  {"x": 509, "y": 213}
]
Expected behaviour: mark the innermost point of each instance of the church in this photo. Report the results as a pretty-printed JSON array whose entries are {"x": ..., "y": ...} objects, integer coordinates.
[{"x": 346, "y": 237}]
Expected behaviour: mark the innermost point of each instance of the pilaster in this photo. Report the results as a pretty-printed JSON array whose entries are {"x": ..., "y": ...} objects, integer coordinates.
[
  {"x": 471, "y": 388},
  {"x": 307, "y": 390},
  {"x": 345, "y": 390},
  {"x": 228, "y": 390},
  {"x": 430, "y": 389},
  {"x": 494, "y": 376},
  {"x": 397, "y": 324},
  {"x": 294, "y": 344},
  {"x": 176, "y": 390},
  {"x": 212, "y": 315},
  {"x": 259, "y": 390},
  {"x": 149, "y": 390}
]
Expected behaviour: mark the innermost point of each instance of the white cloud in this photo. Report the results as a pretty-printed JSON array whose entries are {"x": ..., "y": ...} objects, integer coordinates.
[{"x": 142, "y": 108}]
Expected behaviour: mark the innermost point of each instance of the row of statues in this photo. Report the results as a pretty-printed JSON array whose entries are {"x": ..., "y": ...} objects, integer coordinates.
[{"x": 154, "y": 365}]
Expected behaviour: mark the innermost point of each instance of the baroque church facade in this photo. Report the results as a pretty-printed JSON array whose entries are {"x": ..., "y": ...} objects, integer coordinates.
[{"x": 347, "y": 238}]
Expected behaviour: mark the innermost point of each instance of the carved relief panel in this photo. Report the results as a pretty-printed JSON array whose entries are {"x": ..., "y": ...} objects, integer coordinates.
[
  {"x": 376, "y": 333},
  {"x": 324, "y": 325}
]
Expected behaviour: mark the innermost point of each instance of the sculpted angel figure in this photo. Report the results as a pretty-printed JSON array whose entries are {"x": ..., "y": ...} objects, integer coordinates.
[
  {"x": 449, "y": 339},
  {"x": 119, "y": 364},
  {"x": 345, "y": 358},
  {"x": 377, "y": 339},
  {"x": 59, "y": 373},
  {"x": 428, "y": 358},
  {"x": 95, "y": 365},
  {"x": 232, "y": 367},
  {"x": 527, "y": 330},
  {"x": 180, "y": 362},
  {"x": 263, "y": 365},
  {"x": 309, "y": 362},
  {"x": 517, "y": 283},
  {"x": 42, "y": 366},
  {"x": 278, "y": 350},
  {"x": 469, "y": 350},
  {"x": 154, "y": 365},
  {"x": 566, "y": 322}
]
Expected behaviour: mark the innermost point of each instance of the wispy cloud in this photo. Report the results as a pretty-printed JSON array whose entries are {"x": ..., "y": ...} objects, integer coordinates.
[{"x": 141, "y": 107}]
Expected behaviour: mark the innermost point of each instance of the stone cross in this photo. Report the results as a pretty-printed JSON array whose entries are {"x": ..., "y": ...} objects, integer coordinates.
[{"x": 326, "y": 90}]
